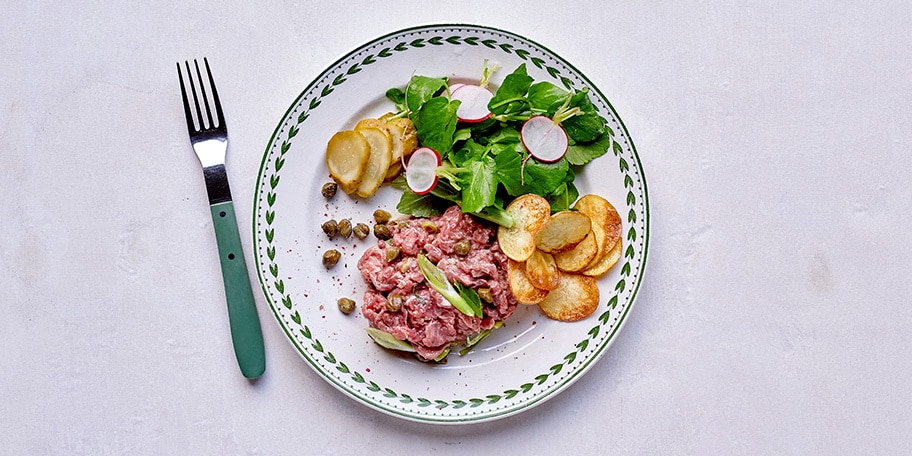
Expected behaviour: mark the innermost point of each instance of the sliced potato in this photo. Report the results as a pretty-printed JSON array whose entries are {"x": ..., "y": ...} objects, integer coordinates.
[
  {"x": 580, "y": 256},
  {"x": 563, "y": 231},
  {"x": 530, "y": 213},
  {"x": 396, "y": 132},
  {"x": 575, "y": 298},
  {"x": 606, "y": 222},
  {"x": 380, "y": 156},
  {"x": 520, "y": 286},
  {"x": 347, "y": 155},
  {"x": 370, "y": 122},
  {"x": 541, "y": 270},
  {"x": 602, "y": 265}
]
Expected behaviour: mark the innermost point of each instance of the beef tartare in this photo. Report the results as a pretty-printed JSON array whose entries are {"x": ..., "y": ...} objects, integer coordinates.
[{"x": 399, "y": 300}]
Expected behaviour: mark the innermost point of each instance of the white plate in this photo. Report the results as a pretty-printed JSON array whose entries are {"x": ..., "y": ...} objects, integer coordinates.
[{"x": 521, "y": 365}]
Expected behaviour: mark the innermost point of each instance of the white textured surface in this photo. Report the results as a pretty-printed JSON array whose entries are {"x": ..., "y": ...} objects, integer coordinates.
[{"x": 774, "y": 318}]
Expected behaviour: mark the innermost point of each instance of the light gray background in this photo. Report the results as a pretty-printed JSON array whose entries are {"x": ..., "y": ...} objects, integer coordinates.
[{"x": 775, "y": 313}]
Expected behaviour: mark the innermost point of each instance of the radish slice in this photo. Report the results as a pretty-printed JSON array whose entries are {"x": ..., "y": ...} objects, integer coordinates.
[
  {"x": 544, "y": 139},
  {"x": 455, "y": 86},
  {"x": 421, "y": 172},
  {"x": 474, "y": 102}
]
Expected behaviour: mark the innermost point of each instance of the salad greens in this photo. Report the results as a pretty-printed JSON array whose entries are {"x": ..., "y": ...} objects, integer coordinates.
[{"x": 485, "y": 164}]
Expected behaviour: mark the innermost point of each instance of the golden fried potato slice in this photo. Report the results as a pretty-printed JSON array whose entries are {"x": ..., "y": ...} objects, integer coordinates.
[
  {"x": 604, "y": 264},
  {"x": 580, "y": 256},
  {"x": 530, "y": 213},
  {"x": 563, "y": 231},
  {"x": 606, "y": 222},
  {"x": 347, "y": 155},
  {"x": 369, "y": 122},
  {"x": 520, "y": 286},
  {"x": 380, "y": 157},
  {"x": 541, "y": 270},
  {"x": 575, "y": 298}
]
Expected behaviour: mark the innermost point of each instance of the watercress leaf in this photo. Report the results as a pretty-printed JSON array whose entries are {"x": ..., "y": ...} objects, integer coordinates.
[
  {"x": 481, "y": 188},
  {"x": 470, "y": 150},
  {"x": 547, "y": 96},
  {"x": 411, "y": 203},
  {"x": 505, "y": 136},
  {"x": 397, "y": 96},
  {"x": 587, "y": 126},
  {"x": 582, "y": 153},
  {"x": 435, "y": 124},
  {"x": 508, "y": 170},
  {"x": 421, "y": 89},
  {"x": 544, "y": 178},
  {"x": 511, "y": 96},
  {"x": 563, "y": 197}
]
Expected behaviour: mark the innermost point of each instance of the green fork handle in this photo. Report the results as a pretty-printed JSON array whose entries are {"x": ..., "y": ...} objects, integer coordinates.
[{"x": 246, "y": 334}]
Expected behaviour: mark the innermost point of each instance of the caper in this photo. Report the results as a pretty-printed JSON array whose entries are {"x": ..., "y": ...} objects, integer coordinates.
[
  {"x": 345, "y": 228},
  {"x": 381, "y": 216},
  {"x": 429, "y": 226},
  {"x": 394, "y": 303},
  {"x": 382, "y": 232},
  {"x": 330, "y": 227},
  {"x": 485, "y": 295},
  {"x": 346, "y": 305},
  {"x": 329, "y": 190},
  {"x": 392, "y": 252},
  {"x": 361, "y": 230},
  {"x": 331, "y": 257},
  {"x": 462, "y": 247}
]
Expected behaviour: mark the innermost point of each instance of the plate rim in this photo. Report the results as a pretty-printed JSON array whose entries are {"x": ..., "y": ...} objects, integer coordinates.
[{"x": 495, "y": 413}]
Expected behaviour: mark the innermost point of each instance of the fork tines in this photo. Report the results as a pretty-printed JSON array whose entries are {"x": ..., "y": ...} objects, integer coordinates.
[{"x": 197, "y": 93}]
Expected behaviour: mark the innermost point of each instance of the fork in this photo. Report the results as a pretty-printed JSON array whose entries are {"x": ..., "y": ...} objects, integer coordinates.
[{"x": 210, "y": 142}]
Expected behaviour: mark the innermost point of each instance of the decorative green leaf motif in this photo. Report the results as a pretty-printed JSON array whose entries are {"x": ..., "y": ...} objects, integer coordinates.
[
  {"x": 632, "y": 234},
  {"x": 489, "y": 43},
  {"x": 357, "y": 377},
  {"x": 306, "y": 332},
  {"x": 613, "y": 302},
  {"x": 293, "y": 131},
  {"x": 326, "y": 91},
  {"x": 270, "y": 233},
  {"x": 622, "y": 164},
  {"x": 625, "y": 270},
  {"x": 542, "y": 378},
  {"x": 418, "y": 43},
  {"x": 303, "y": 116},
  {"x": 441, "y": 404},
  {"x": 605, "y": 315},
  {"x": 354, "y": 69},
  {"x": 525, "y": 387},
  {"x": 279, "y": 163},
  {"x": 385, "y": 52},
  {"x": 343, "y": 368},
  {"x": 423, "y": 402},
  {"x": 285, "y": 146},
  {"x": 270, "y": 216},
  {"x": 510, "y": 394},
  {"x": 620, "y": 286},
  {"x": 273, "y": 181},
  {"x": 473, "y": 41},
  {"x": 330, "y": 358},
  {"x": 594, "y": 331},
  {"x": 390, "y": 393},
  {"x": 555, "y": 369},
  {"x": 370, "y": 59},
  {"x": 506, "y": 47},
  {"x": 401, "y": 47},
  {"x": 270, "y": 252},
  {"x": 314, "y": 103},
  {"x": 476, "y": 402},
  {"x": 538, "y": 62},
  {"x": 317, "y": 346},
  {"x": 583, "y": 344},
  {"x": 436, "y": 41},
  {"x": 457, "y": 404},
  {"x": 270, "y": 198},
  {"x": 552, "y": 71},
  {"x": 493, "y": 398},
  {"x": 373, "y": 386},
  {"x": 628, "y": 182},
  {"x": 286, "y": 301},
  {"x": 406, "y": 399},
  {"x": 274, "y": 270},
  {"x": 280, "y": 287},
  {"x": 296, "y": 318},
  {"x": 339, "y": 80},
  {"x": 570, "y": 357},
  {"x": 568, "y": 84},
  {"x": 632, "y": 216},
  {"x": 453, "y": 39}
]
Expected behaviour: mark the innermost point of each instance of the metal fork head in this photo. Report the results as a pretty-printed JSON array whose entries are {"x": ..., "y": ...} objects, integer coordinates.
[{"x": 209, "y": 138}]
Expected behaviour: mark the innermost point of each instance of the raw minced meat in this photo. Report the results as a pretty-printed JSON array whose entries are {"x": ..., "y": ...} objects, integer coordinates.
[{"x": 424, "y": 318}]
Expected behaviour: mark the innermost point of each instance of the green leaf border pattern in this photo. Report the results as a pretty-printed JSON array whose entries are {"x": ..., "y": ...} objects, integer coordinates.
[{"x": 324, "y": 87}]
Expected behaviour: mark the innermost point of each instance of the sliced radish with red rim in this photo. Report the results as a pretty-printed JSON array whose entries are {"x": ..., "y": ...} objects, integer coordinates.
[
  {"x": 544, "y": 139},
  {"x": 474, "y": 101},
  {"x": 421, "y": 172}
]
